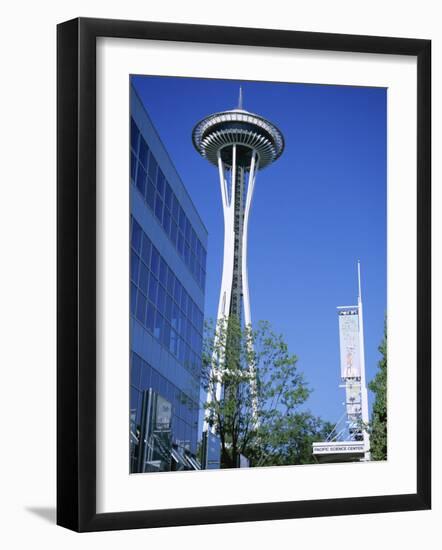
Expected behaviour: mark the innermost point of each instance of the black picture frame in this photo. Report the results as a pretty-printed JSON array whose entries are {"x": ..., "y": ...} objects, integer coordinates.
[{"x": 76, "y": 274}]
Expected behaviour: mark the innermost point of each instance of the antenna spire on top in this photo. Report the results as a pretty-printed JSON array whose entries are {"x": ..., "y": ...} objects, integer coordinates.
[
  {"x": 240, "y": 98},
  {"x": 359, "y": 281}
]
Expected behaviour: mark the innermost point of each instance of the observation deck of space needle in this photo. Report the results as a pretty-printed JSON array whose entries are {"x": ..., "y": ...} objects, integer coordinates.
[{"x": 238, "y": 143}]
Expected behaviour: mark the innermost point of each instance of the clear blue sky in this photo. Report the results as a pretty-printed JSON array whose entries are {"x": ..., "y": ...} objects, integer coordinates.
[{"x": 316, "y": 210}]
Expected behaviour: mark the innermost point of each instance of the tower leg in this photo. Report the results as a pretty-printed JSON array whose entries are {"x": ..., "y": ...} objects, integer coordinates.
[{"x": 245, "y": 284}]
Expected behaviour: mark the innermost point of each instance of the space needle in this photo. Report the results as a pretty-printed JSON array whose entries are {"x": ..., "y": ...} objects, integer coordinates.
[{"x": 238, "y": 143}]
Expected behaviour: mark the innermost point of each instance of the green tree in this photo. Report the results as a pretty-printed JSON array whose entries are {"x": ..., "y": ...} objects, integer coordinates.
[
  {"x": 256, "y": 410},
  {"x": 378, "y": 386}
]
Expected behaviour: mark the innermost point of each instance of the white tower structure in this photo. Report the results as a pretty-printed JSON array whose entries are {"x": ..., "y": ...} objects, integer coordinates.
[
  {"x": 349, "y": 438},
  {"x": 238, "y": 143}
]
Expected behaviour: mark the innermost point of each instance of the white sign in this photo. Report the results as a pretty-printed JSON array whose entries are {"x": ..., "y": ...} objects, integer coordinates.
[
  {"x": 349, "y": 344},
  {"x": 338, "y": 448}
]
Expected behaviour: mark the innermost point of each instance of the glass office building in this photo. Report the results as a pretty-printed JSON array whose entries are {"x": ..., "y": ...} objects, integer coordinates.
[{"x": 167, "y": 272}]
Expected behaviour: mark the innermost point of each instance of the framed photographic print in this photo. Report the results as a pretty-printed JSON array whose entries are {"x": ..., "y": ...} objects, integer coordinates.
[{"x": 243, "y": 274}]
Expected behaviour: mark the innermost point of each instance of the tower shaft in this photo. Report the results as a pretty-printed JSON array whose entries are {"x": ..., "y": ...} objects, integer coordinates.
[{"x": 235, "y": 308}]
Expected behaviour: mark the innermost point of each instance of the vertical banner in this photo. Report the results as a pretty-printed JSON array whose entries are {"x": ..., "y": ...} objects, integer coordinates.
[{"x": 349, "y": 344}]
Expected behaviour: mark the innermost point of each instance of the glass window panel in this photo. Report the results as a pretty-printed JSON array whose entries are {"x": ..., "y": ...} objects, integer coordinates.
[
  {"x": 182, "y": 350},
  {"x": 150, "y": 194},
  {"x": 145, "y": 376},
  {"x": 161, "y": 298},
  {"x": 160, "y": 182},
  {"x": 173, "y": 342},
  {"x": 187, "y": 357},
  {"x": 184, "y": 301},
  {"x": 177, "y": 407},
  {"x": 155, "y": 380},
  {"x": 191, "y": 336},
  {"x": 198, "y": 355},
  {"x": 202, "y": 256},
  {"x": 145, "y": 249},
  {"x": 192, "y": 240},
  {"x": 150, "y": 317},
  {"x": 188, "y": 229},
  {"x": 186, "y": 253},
  {"x": 192, "y": 263},
  {"x": 143, "y": 281},
  {"x": 155, "y": 261},
  {"x": 190, "y": 412},
  {"x": 182, "y": 220},
  {"x": 136, "y": 370},
  {"x": 175, "y": 316},
  {"x": 168, "y": 193},
  {"x": 175, "y": 207},
  {"x": 184, "y": 430},
  {"x": 170, "y": 281},
  {"x": 134, "y": 266},
  {"x": 169, "y": 392},
  {"x": 193, "y": 441},
  {"x": 180, "y": 243},
  {"x": 144, "y": 151},
  {"x": 163, "y": 272},
  {"x": 153, "y": 288},
  {"x": 141, "y": 307},
  {"x": 136, "y": 235},
  {"x": 166, "y": 221},
  {"x": 133, "y": 166},
  {"x": 180, "y": 322},
  {"x": 134, "y": 133},
  {"x": 190, "y": 307},
  {"x": 177, "y": 292},
  {"x": 165, "y": 339},
  {"x": 187, "y": 333},
  {"x": 187, "y": 434},
  {"x": 177, "y": 346},
  {"x": 196, "y": 317},
  {"x": 194, "y": 362},
  {"x": 184, "y": 323},
  {"x": 153, "y": 169},
  {"x": 134, "y": 401},
  {"x": 168, "y": 308},
  {"x": 141, "y": 180},
  {"x": 163, "y": 386},
  {"x": 133, "y": 298},
  {"x": 159, "y": 208},
  {"x": 173, "y": 232},
  {"x": 196, "y": 345},
  {"x": 158, "y": 328}
]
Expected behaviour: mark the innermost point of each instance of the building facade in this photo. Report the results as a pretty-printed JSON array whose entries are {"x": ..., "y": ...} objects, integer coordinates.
[{"x": 167, "y": 272}]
